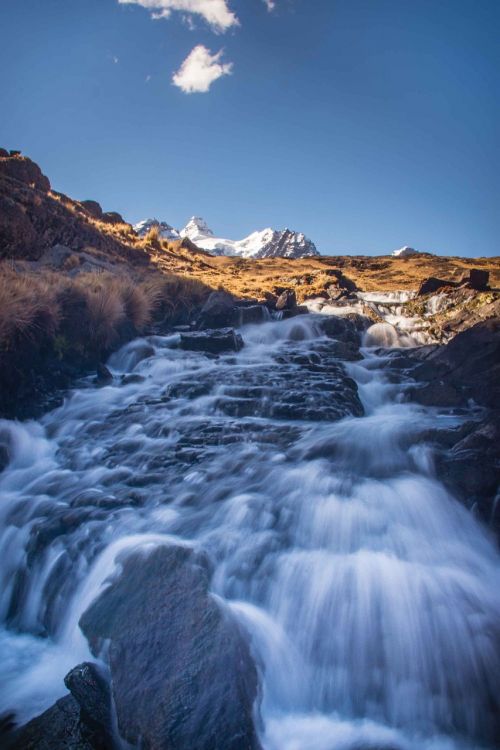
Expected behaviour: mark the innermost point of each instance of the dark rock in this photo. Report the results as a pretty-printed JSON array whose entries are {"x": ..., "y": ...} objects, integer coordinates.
[
  {"x": 103, "y": 375},
  {"x": 432, "y": 285},
  {"x": 253, "y": 314},
  {"x": 133, "y": 377},
  {"x": 181, "y": 670},
  {"x": 294, "y": 311},
  {"x": 219, "y": 311},
  {"x": 437, "y": 393},
  {"x": 89, "y": 687},
  {"x": 58, "y": 728},
  {"x": 341, "y": 328},
  {"x": 80, "y": 721},
  {"x": 93, "y": 208},
  {"x": 214, "y": 341},
  {"x": 470, "y": 362},
  {"x": 478, "y": 279},
  {"x": 271, "y": 300},
  {"x": 24, "y": 170},
  {"x": 471, "y": 469},
  {"x": 286, "y": 300},
  {"x": 468, "y": 367},
  {"x": 113, "y": 217}
]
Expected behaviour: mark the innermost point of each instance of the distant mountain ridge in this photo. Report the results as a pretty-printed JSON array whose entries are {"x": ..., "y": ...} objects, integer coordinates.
[{"x": 267, "y": 243}]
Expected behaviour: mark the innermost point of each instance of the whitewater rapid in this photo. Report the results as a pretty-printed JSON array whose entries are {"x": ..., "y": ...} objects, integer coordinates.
[{"x": 371, "y": 597}]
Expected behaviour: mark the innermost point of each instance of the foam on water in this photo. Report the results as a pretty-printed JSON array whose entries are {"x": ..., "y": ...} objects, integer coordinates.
[{"x": 369, "y": 594}]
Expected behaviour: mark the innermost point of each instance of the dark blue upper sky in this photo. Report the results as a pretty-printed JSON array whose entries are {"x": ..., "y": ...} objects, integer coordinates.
[{"x": 367, "y": 124}]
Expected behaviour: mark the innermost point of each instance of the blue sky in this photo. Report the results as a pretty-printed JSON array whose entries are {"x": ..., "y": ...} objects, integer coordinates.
[{"x": 367, "y": 124}]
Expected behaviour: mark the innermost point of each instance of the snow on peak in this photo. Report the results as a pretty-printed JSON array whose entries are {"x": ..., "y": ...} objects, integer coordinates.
[
  {"x": 166, "y": 231},
  {"x": 405, "y": 251},
  {"x": 266, "y": 243},
  {"x": 196, "y": 228}
]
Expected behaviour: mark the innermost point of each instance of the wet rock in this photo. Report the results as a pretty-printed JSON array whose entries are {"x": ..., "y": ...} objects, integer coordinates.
[
  {"x": 432, "y": 285},
  {"x": 470, "y": 362},
  {"x": 89, "y": 687},
  {"x": 271, "y": 300},
  {"x": 103, "y": 375},
  {"x": 181, "y": 670},
  {"x": 341, "y": 328},
  {"x": 287, "y": 300},
  {"x": 132, "y": 377},
  {"x": 253, "y": 314},
  {"x": 471, "y": 469},
  {"x": 466, "y": 368},
  {"x": 213, "y": 341},
  {"x": 309, "y": 385},
  {"x": 437, "y": 393},
  {"x": 219, "y": 311},
  {"x": 80, "y": 721},
  {"x": 294, "y": 311}
]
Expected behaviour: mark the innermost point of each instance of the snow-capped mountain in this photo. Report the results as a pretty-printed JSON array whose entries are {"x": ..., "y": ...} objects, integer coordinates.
[
  {"x": 267, "y": 243},
  {"x": 166, "y": 231}
]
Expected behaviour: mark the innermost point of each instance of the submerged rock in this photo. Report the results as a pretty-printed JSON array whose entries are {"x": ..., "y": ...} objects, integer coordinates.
[
  {"x": 181, "y": 669},
  {"x": 213, "y": 341}
]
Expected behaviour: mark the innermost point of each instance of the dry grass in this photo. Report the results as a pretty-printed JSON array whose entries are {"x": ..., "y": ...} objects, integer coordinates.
[{"x": 90, "y": 310}]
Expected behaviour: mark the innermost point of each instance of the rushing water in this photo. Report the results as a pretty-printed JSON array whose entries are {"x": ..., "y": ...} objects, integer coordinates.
[{"x": 371, "y": 596}]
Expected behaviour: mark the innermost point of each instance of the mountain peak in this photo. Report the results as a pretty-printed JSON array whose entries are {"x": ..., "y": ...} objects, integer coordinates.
[{"x": 196, "y": 227}]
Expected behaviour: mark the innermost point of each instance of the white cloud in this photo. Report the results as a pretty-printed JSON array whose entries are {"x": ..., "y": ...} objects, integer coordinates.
[
  {"x": 215, "y": 12},
  {"x": 270, "y": 5},
  {"x": 200, "y": 69}
]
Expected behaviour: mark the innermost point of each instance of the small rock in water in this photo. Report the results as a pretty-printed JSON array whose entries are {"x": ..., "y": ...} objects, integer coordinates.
[
  {"x": 213, "y": 341},
  {"x": 103, "y": 375}
]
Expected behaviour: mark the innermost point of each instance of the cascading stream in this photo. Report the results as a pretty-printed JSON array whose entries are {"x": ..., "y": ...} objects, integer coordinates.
[{"x": 370, "y": 595}]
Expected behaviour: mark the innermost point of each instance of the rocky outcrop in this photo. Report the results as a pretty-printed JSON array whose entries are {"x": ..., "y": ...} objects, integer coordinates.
[
  {"x": 467, "y": 370},
  {"x": 182, "y": 674},
  {"x": 21, "y": 169},
  {"x": 33, "y": 218}
]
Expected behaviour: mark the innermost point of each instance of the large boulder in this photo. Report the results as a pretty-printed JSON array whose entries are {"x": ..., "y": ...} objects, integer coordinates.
[
  {"x": 212, "y": 341},
  {"x": 182, "y": 674},
  {"x": 478, "y": 279},
  {"x": 219, "y": 311},
  {"x": 470, "y": 363}
]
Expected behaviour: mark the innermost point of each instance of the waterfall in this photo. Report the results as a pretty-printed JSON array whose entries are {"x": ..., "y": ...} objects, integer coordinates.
[{"x": 370, "y": 596}]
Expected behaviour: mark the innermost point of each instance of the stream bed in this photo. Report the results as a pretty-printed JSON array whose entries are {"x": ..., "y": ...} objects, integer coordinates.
[{"x": 369, "y": 595}]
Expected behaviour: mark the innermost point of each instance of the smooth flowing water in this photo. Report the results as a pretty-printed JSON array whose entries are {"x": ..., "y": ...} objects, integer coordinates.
[{"x": 370, "y": 595}]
